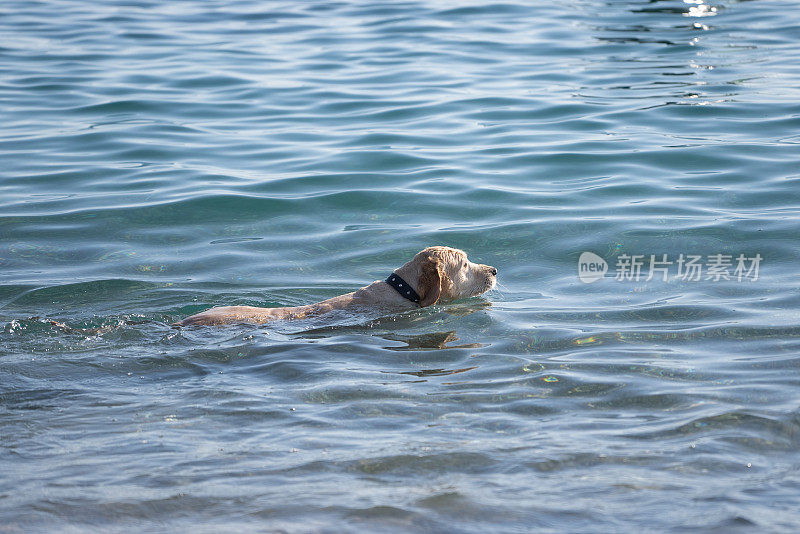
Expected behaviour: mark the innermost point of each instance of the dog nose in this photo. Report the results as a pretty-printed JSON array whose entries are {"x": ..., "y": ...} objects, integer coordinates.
[{"x": 493, "y": 271}]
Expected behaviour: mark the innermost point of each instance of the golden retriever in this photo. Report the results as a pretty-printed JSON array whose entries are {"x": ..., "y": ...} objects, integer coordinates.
[{"x": 436, "y": 274}]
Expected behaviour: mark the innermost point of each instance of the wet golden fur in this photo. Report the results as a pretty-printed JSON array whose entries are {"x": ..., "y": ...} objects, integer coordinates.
[{"x": 437, "y": 274}]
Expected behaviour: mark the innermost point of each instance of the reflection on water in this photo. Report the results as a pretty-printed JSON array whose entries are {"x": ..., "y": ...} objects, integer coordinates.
[
  {"x": 683, "y": 51},
  {"x": 464, "y": 308},
  {"x": 436, "y": 372},
  {"x": 432, "y": 341},
  {"x": 700, "y": 9}
]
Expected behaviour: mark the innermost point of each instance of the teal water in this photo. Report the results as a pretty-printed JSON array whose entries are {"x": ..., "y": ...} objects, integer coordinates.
[{"x": 159, "y": 158}]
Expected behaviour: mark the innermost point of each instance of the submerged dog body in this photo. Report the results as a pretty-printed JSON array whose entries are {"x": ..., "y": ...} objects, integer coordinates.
[{"x": 436, "y": 274}]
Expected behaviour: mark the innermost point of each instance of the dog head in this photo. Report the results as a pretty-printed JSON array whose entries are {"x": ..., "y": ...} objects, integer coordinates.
[{"x": 446, "y": 273}]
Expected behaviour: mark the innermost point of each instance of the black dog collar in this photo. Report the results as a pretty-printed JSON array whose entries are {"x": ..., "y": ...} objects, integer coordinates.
[{"x": 402, "y": 287}]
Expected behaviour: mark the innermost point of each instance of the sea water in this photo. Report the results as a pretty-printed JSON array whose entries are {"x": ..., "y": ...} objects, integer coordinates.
[{"x": 159, "y": 158}]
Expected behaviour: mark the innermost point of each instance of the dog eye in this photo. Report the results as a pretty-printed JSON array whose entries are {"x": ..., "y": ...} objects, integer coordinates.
[{"x": 465, "y": 265}]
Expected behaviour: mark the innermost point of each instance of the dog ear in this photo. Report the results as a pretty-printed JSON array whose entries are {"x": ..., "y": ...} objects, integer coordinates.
[{"x": 430, "y": 282}]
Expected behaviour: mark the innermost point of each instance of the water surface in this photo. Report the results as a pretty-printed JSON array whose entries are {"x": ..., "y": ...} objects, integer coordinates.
[{"x": 159, "y": 158}]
